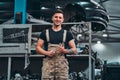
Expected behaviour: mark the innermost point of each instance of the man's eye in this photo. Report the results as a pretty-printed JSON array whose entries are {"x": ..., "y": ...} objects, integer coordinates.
[
  {"x": 56, "y": 17},
  {"x": 60, "y": 17}
]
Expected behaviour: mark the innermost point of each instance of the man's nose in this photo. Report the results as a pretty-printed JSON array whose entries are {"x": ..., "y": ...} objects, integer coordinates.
[{"x": 58, "y": 18}]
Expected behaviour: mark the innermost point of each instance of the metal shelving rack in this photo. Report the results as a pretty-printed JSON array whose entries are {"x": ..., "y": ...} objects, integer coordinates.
[{"x": 91, "y": 59}]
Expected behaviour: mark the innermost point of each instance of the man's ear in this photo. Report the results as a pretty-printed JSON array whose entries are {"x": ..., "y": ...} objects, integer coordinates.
[{"x": 63, "y": 20}]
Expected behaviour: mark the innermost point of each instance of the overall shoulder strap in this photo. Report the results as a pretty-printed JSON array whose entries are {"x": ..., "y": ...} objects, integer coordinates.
[
  {"x": 64, "y": 35},
  {"x": 48, "y": 39},
  {"x": 47, "y": 35}
]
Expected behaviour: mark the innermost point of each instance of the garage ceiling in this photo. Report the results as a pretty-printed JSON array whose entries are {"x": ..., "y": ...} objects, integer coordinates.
[{"x": 34, "y": 6}]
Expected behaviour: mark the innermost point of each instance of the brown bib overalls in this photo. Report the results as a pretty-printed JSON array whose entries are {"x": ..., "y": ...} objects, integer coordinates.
[{"x": 56, "y": 67}]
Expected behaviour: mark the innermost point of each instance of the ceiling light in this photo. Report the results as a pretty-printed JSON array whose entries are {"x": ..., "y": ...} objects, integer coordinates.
[
  {"x": 58, "y": 7},
  {"x": 98, "y": 42},
  {"x": 43, "y": 8},
  {"x": 104, "y": 35}
]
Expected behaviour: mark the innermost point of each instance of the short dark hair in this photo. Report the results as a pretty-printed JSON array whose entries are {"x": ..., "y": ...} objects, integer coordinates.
[{"x": 57, "y": 11}]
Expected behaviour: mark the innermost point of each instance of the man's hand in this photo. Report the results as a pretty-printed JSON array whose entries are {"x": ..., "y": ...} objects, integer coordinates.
[
  {"x": 50, "y": 53},
  {"x": 61, "y": 48}
]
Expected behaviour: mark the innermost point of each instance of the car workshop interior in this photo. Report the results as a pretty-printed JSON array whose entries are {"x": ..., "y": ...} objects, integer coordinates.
[{"x": 94, "y": 24}]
